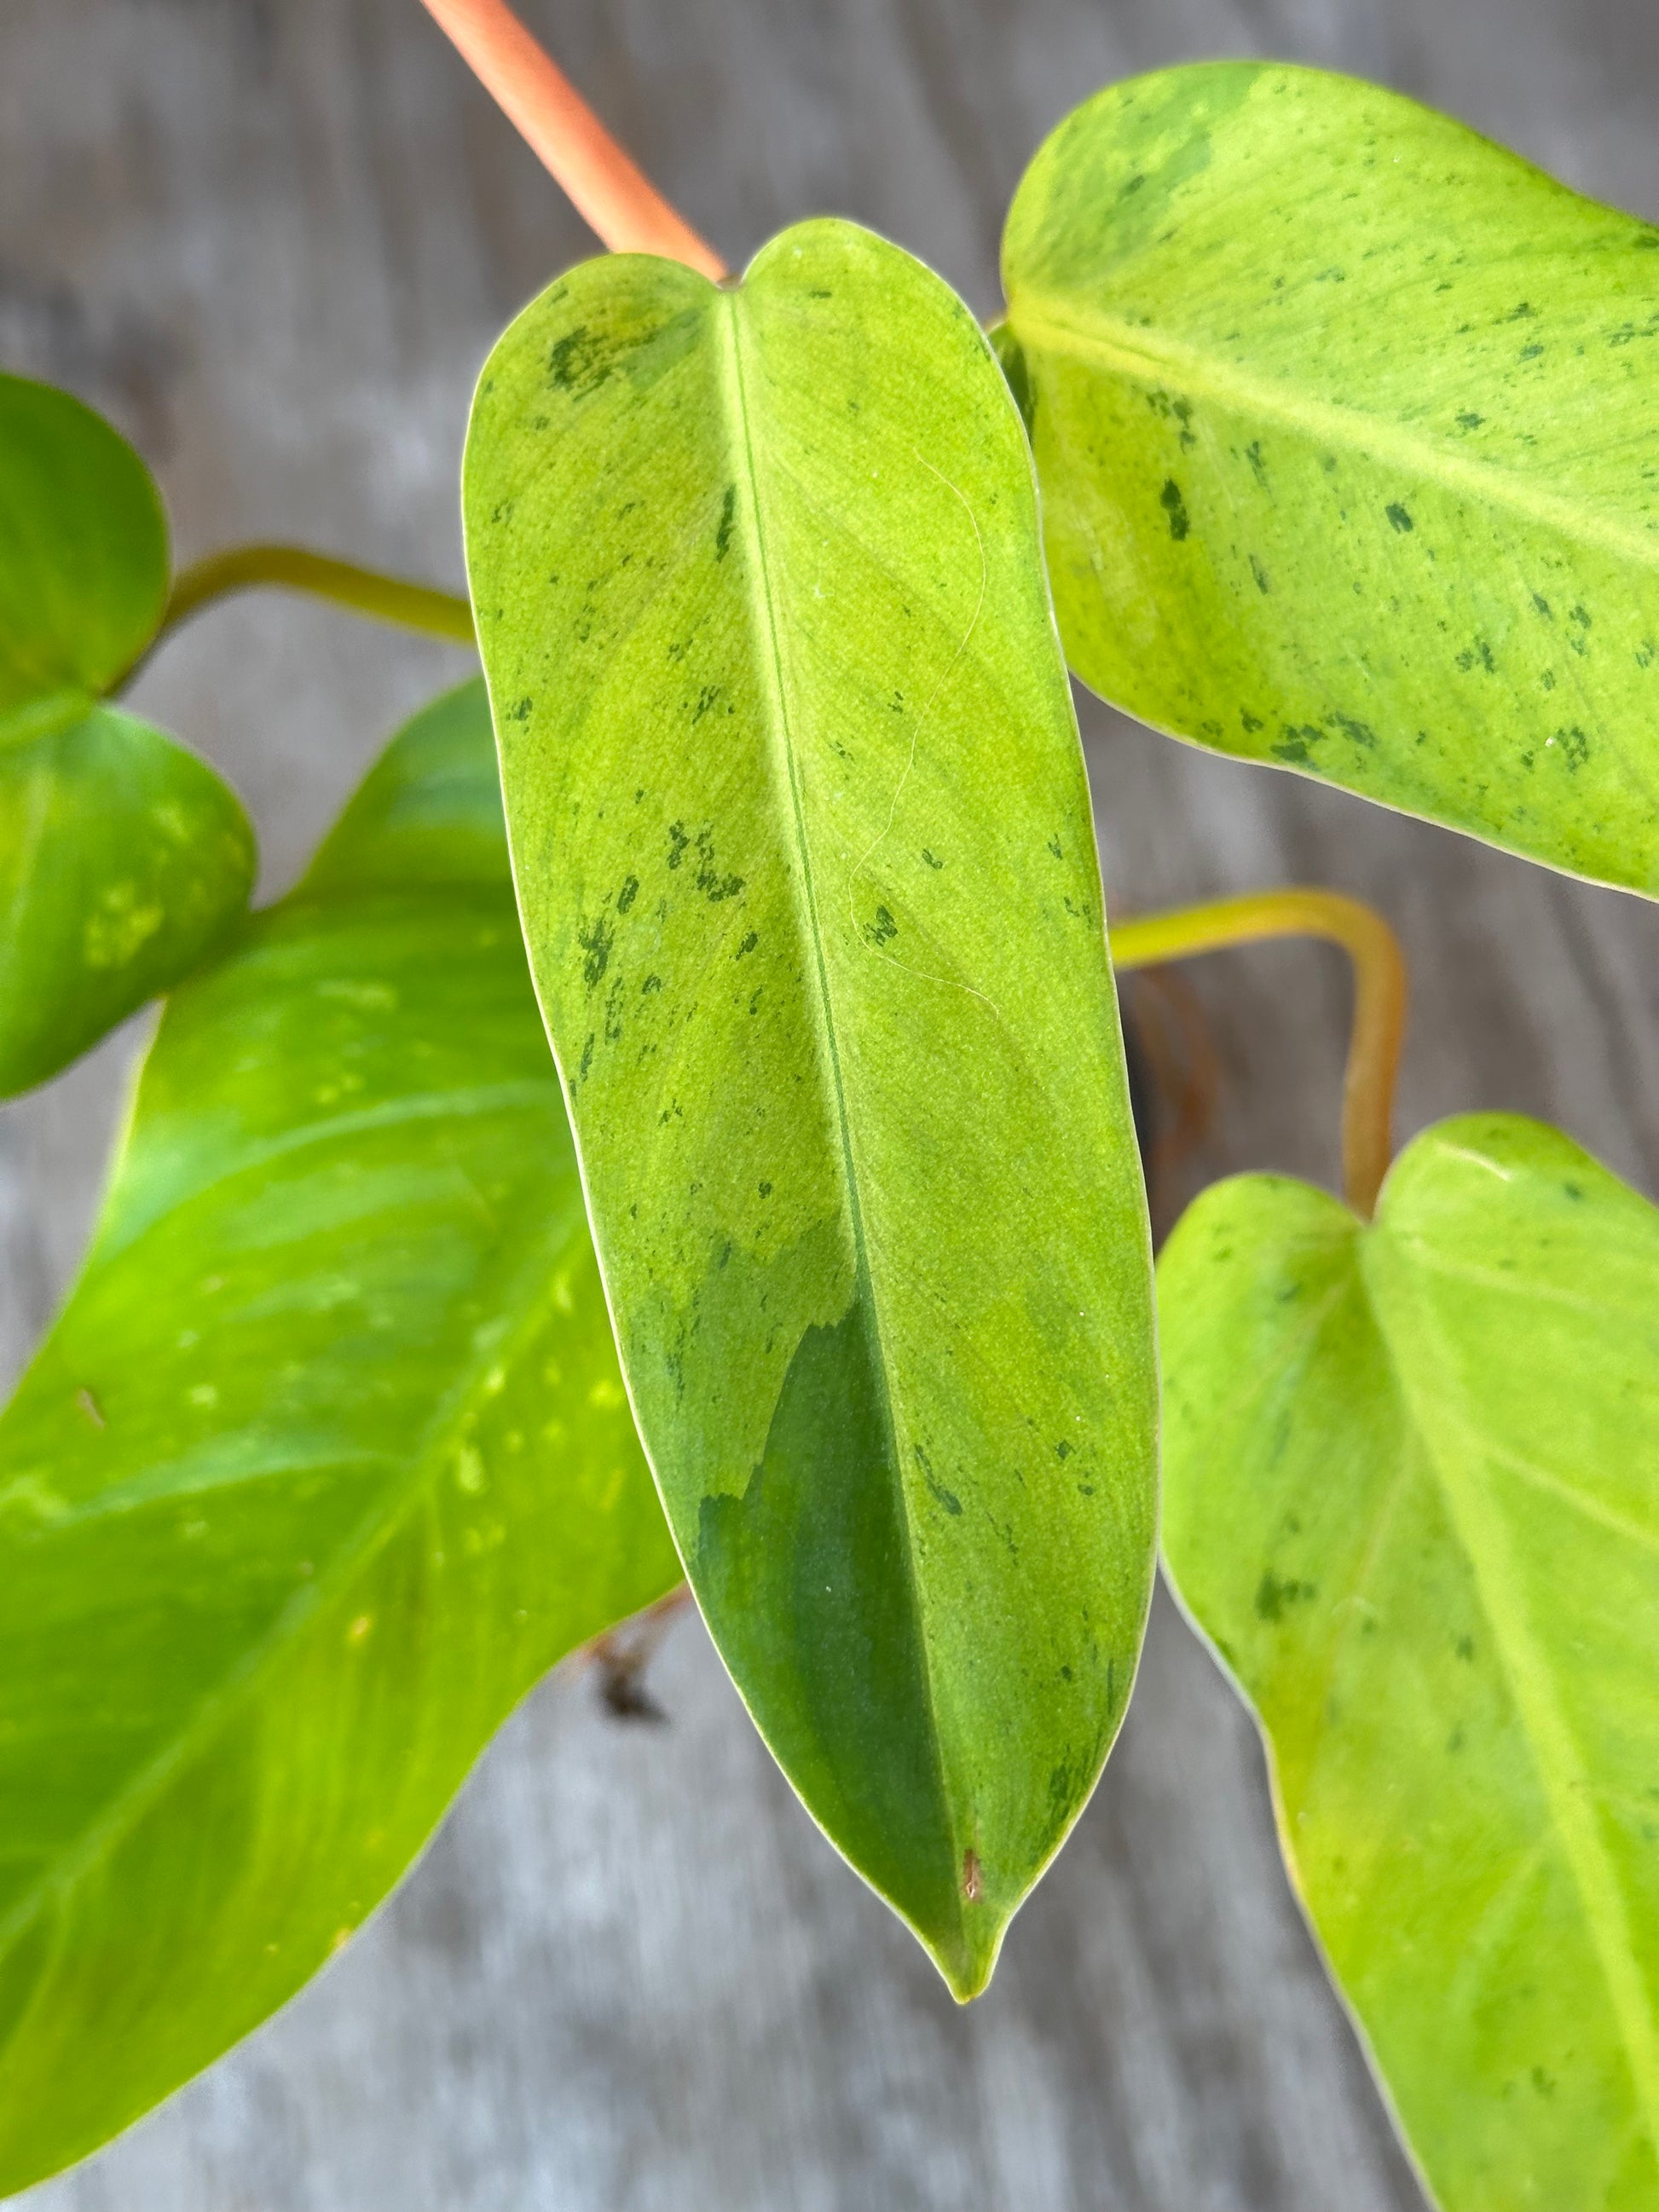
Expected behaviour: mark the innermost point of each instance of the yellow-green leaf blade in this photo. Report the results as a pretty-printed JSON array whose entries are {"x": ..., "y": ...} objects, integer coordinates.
[
  {"x": 325, "y": 1462},
  {"x": 1344, "y": 422},
  {"x": 803, "y": 846},
  {"x": 1413, "y": 1497}
]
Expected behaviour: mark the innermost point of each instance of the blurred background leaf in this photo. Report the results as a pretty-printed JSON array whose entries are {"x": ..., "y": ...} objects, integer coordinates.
[
  {"x": 123, "y": 858},
  {"x": 325, "y": 1462}
]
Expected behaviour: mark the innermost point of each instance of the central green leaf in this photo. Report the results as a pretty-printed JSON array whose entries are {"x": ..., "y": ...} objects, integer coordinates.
[{"x": 804, "y": 851}]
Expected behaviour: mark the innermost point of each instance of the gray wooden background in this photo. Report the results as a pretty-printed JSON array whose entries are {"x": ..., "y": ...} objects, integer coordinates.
[{"x": 273, "y": 240}]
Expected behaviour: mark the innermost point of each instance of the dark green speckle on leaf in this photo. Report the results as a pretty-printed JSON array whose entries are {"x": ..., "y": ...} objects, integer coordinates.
[
  {"x": 596, "y": 941},
  {"x": 1275, "y": 1597}
]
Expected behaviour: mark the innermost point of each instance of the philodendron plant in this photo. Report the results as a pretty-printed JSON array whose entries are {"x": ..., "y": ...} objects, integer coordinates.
[{"x": 811, "y": 1263}]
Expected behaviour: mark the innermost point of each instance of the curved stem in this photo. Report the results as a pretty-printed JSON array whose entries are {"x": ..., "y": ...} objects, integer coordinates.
[
  {"x": 1379, "y": 1009},
  {"x": 385, "y": 599},
  {"x": 610, "y": 194}
]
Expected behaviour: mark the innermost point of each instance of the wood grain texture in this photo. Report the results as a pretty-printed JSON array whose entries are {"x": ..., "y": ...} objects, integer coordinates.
[{"x": 274, "y": 240}]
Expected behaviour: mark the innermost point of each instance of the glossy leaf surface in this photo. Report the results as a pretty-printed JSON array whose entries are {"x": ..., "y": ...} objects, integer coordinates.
[
  {"x": 84, "y": 567},
  {"x": 327, "y": 1460},
  {"x": 123, "y": 859},
  {"x": 1413, "y": 1497},
  {"x": 804, "y": 849},
  {"x": 1344, "y": 420}
]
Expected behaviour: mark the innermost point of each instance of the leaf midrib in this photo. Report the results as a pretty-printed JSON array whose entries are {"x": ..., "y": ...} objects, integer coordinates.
[
  {"x": 735, "y": 403},
  {"x": 1545, "y": 1479},
  {"x": 1159, "y": 356},
  {"x": 1548, "y": 1735},
  {"x": 378, "y": 1527}
]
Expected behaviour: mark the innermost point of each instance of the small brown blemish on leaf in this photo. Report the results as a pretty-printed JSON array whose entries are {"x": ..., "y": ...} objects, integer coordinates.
[
  {"x": 971, "y": 1884},
  {"x": 90, "y": 1408}
]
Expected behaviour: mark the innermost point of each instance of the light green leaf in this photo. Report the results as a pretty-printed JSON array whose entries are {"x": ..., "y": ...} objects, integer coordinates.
[
  {"x": 804, "y": 850},
  {"x": 123, "y": 859},
  {"x": 1413, "y": 1497},
  {"x": 327, "y": 1460},
  {"x": 428, "y": 811},
  {"x": 1344, "y": 420}
]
